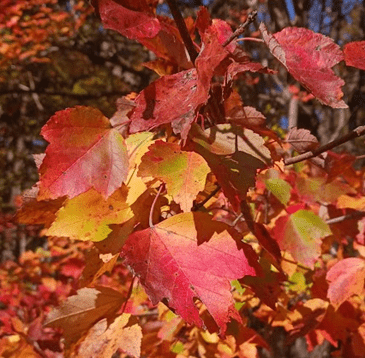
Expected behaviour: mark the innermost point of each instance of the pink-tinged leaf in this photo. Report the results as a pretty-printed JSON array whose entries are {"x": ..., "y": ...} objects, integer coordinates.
[
  {"x": 130, "y": 23},
  {"x": 170, "y": 98},
  {"x": 234, "y": 155},
  {"x": 309, "y": 58},
  {"x": 223, "y": 32},
  {"x": 190, "y": 256},
  {"x": 84, "y": 152},
  {"x": 300, "y": 234},
  {"x": 346, "y": 278},
  {"x": 355, "y": 54},
  {"x": 183, "y": 172},
  {"x": 302, "y": 140}
]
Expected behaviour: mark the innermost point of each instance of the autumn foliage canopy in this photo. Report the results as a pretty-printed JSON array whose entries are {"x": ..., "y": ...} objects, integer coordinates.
[{"x": 188, "y": 189}]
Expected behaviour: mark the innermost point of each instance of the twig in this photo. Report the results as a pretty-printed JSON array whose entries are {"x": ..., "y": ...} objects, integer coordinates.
[
  {"x": 357, "y": 132},
  {"x": 180, "y": 23},
  {"x": 198, "y": 206},
  {"x": 150, "y": 220},
  {"x": 241, "y": 29},
  {"x": 254, "y": 39},
  {"x": 355, "y": 215},
  {"x": 296, "y": 263}
]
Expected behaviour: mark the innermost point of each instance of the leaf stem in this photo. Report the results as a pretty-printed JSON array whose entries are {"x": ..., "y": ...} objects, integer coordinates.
[
  {"x": 250, "y": 39},
  {"x": 357, "y": 132},
  {"x": 150, "y": 219},
  {"x": 241, "y": 29},
  {"x": 180, "y": 23}
]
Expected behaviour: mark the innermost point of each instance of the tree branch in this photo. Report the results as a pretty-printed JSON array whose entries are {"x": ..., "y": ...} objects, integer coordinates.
[
  {"x": 357, "y": 132},
  {"x": 355, "y": 215},
  {"x": 241, "y": 29},
  {"x": 64, "y": 94},
  {"x": 180, "y": 23}
]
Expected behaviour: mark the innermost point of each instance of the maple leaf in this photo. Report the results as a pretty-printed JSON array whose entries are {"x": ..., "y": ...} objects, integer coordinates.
[
  {"x": 80, "y": 312},
  {"x": 84, "y": 153},
  {"x": 302, "y": 140},
  {"x": 103, "y": 340},
  {"x": 190, "y": 256},
  {"x": 346, "y": 278},
  {"x": 129, "y": 22},
  {"x": 137, "y": 21},
  {"x": 234, "y": 155},
  {"x": 300, "y": 234},
  {"x": 183, "y": 172},
  {"x": 355, "y": 54},
  {"x": 137, "y": 145},
  {"x": 316, "y": 189},
  {"x": 279, "y": 188},
  {"x": 309, "y": 58},
  {"x": 39, "y": 212},
  {"x": 88, "y": 216},
  {"x": 170, "y": 98},
  {"x": 246, "y": 116}
]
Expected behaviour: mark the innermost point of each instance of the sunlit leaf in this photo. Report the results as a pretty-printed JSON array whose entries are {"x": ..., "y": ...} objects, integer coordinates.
[
  {"x": 346, "y": 278},
  {"x": 300, "y": 234},
  {"x": 103, "y": 340},
  {"x": 187, "y": 256},
  {"x": 84, "y": 153},
  {"x": 183, "y": 172},
  {"x": 88, "y": 216}
]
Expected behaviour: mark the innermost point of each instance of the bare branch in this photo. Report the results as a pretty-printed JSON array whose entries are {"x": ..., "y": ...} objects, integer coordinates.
[
  {"x": 355, "y": 215},
  {"x": 357, "y": 132},
  {"x": 241, "y": 29}
]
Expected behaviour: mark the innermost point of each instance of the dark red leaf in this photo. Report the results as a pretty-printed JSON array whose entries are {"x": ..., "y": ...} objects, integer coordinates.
[{"x": 355, "y": 54}]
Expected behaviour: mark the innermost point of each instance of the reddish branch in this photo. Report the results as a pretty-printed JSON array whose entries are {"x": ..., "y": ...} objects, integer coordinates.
[{"x": 357, "y": 132}]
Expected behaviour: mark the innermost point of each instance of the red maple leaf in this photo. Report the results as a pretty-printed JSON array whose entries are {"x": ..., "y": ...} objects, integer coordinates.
[
  {"x": 84, "y": 152},
  {"x": 309, "y": 58},
  {"x": 190, "y": 256}
]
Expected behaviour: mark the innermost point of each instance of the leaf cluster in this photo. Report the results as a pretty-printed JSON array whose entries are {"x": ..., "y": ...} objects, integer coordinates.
[{"x": 165, "y": 184}]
